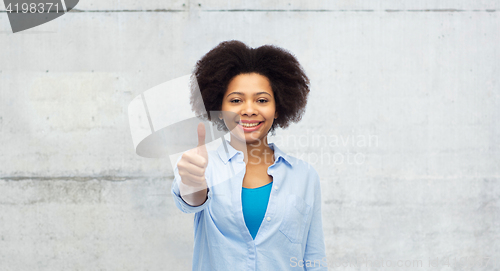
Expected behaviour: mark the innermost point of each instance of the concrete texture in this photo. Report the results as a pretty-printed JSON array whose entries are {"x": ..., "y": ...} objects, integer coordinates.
[{"x": 402, "y": 125}]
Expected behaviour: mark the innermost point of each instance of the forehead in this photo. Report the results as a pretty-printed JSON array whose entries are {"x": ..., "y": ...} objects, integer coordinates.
[{"x": 249, "y": 83}]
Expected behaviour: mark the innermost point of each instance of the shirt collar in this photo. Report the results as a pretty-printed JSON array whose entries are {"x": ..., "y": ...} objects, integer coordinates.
[{"x": 225, "y": 156}]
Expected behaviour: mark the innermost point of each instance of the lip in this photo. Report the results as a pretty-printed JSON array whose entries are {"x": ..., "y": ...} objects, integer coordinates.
[
  {"x": 251, "y": 129},
  {"x": 250, "y": 121}
]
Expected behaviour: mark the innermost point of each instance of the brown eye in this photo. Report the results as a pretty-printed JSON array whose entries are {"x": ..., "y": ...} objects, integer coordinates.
[
  {"x": 234, "y": 101},
  {"x": 262, "y": 100}
]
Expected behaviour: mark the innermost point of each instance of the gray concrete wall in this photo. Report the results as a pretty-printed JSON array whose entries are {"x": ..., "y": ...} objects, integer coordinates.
[{"x": 402, "y": 125}]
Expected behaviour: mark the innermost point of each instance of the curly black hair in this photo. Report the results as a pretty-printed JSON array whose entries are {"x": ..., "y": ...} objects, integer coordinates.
[{"x": 214, "y": 71}]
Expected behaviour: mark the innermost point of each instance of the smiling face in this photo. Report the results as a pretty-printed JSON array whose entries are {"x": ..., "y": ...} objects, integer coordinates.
[{"x": 250, "y": 97}]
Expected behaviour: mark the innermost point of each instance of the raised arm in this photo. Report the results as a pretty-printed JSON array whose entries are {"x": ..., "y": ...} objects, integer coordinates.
[{"x": 190, "y": 186}]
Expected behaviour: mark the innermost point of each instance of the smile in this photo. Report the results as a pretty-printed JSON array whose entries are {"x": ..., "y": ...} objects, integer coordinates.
[{"x": 249, "y": 127}]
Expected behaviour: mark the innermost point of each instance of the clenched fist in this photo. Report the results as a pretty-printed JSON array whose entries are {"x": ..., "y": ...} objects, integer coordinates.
[{"x": 192, "y": 166}]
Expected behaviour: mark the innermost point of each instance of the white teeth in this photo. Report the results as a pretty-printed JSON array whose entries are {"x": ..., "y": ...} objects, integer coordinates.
[{"x": 249, "y": 125}]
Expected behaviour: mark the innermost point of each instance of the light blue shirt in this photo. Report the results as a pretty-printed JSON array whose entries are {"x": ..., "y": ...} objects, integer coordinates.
[{"x": 291, "y": 234}]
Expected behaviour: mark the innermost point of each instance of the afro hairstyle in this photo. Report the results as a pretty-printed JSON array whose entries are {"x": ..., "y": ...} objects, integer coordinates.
[{"x": 215, "y": 70}]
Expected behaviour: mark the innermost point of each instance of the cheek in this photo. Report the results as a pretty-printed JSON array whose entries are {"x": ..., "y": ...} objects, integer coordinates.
[{"x": 270, "y": 113}]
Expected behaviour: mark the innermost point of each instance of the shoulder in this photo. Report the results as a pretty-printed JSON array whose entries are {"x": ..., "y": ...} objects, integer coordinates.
[
  {"x": 300, "y": 165},
  {"x": 214, "y": 158},
  {"x": 307, "y": 179},
  {"x": 213, "y": 154}
]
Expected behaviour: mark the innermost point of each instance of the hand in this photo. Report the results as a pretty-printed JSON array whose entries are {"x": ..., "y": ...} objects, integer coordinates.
[{"x": 194, "y": 162}]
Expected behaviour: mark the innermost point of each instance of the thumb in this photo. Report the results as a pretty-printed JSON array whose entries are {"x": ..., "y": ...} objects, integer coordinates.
[{"x": 202, "y": 149}]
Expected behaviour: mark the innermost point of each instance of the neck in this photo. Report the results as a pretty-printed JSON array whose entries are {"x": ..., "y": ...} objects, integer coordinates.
[{"x": 257, "y": 153}]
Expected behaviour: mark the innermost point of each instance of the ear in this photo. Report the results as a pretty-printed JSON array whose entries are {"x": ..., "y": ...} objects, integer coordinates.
[{"x": 276, "y": 115}]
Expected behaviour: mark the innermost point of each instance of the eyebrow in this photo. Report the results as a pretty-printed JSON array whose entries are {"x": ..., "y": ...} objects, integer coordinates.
[{"x": 241, "y": 93}]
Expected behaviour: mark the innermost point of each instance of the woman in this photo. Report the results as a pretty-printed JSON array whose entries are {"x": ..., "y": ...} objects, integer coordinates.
[{"x": 256, "y": 208}]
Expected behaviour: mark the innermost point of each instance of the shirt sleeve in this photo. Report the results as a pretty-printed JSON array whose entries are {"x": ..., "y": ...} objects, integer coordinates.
[
  {"x": 315, "y": 246},
  {"x": 179, "y": 202}
]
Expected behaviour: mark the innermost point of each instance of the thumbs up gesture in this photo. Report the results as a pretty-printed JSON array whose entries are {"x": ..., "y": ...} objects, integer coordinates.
[
  {"x": 202, "y": 149},
  {"x": 192, "y": 166}
]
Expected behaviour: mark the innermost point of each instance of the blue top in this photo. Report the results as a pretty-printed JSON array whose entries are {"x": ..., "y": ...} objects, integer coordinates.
[
  {"x": 254, "y": 203},
  {"x": 289, "y": 238}
]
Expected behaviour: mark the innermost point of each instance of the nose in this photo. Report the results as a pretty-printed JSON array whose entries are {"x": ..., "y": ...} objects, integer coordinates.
[{"x": 248, "y": 109}]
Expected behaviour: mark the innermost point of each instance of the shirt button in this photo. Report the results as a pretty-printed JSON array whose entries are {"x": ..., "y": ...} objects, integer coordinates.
[
  {"x": 275, "y": 187},
  {"x": 268, "y": 218}
]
